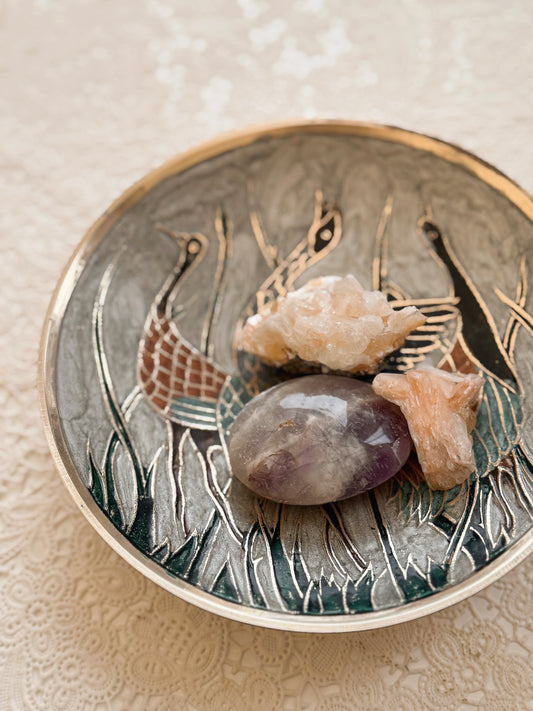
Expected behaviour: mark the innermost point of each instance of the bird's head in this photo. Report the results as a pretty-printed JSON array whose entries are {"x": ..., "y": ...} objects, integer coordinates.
[
  {"x": 429, "y": 229},
  {"x": 193, "y": 245},
  {"x": 326, "y": 228},
  {"x": 436, "y": 241}
]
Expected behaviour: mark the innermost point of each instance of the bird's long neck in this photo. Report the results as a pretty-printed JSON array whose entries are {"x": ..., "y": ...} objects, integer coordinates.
[
  {"x": 322, "y": 238},
  {"x": 167, "y": 294},
  {"x": 480, "y": 336},
  {"x": 164, "y": 298},
  {"x": 282, "y": 279}
]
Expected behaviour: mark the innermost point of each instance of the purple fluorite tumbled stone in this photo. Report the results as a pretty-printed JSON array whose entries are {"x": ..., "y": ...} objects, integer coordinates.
[{"x": 316, "y": 439}]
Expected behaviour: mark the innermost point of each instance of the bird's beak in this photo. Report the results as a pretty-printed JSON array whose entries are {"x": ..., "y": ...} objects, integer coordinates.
[{"x": 179, "y": 237}]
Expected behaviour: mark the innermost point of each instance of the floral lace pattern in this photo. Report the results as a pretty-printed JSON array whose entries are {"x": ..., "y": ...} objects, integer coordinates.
[{"x": 87, "y": 109}]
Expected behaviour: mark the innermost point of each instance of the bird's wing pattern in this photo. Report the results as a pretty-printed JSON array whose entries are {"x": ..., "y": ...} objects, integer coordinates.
[
  {"x": 178, "y": 380},
  {"x": 498, "y": 422},
  {"x": 253, "y": 377},
  {"x": 437, "y": 334}
]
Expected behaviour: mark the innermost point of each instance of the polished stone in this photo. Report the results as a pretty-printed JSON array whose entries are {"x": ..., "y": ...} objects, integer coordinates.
[{"x": 317, "y": 439}]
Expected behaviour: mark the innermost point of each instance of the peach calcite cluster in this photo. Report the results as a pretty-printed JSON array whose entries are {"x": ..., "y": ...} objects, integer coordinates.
[
  {"x": 324, "y": 438},
  {"x": 332, "y": 321},
  {"x": 440, "y": 409}
]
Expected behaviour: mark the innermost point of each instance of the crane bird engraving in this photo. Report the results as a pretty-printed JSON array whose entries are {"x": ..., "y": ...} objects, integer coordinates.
[
  {"x": 179, "y": 381},
  {"x": 461, "y": 331},
  {"x": 479, "y": 348}
]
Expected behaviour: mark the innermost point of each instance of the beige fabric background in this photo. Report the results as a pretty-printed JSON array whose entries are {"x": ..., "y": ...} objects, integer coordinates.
[{"x": 93, "y": 94}]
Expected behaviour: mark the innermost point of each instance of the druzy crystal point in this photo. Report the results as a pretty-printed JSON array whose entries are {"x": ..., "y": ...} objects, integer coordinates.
[
  {"x": 317, "y": 439},
  {"x": 440, "y": 408},
  {"x": 332, "y": 321}
]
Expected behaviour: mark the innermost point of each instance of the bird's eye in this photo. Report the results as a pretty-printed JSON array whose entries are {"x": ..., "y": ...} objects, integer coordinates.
[
  {"x": 194, "y": 247},
  {"x": 326, "y": 235}
]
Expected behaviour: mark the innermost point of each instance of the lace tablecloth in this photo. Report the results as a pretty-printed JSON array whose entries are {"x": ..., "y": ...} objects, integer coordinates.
[{"x": 92, "y": 95}]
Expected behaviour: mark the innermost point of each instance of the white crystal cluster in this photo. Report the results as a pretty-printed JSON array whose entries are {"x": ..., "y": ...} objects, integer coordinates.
[{"x": 332, "y": 321}]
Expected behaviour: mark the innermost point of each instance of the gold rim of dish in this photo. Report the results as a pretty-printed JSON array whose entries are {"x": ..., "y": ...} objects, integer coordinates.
[{"x": 50, "y": 416}]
